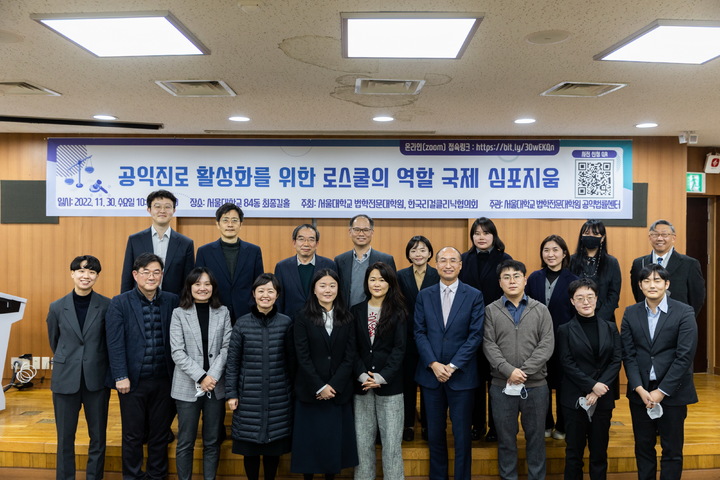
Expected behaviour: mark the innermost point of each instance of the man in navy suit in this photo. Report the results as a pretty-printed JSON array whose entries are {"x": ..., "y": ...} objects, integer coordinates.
[
  {"x": 137, "y": 327},
  {"x": 448, "y": 333},
  {"x": 234, "y": 263},
  {"x": 352, "y": 264},
  {"x": 659, "y": 337},
  {"x": 295, "y": 273},
  {"x": 688, "y": 284},
  {"x": 176, "y": 251}
]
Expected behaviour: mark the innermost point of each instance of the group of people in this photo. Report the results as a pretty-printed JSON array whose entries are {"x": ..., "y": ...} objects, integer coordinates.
[{"x": 323, "y": 358}]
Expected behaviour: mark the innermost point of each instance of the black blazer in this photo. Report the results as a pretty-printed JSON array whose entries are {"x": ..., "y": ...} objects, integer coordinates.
[
  {"x": 323, "y": 359},
  {"x": 178, "y": 260},
  {"x": 609, "y": 282},
  {"x": 292, "y": 297},
  {"x": 384, "y": 356},
  {"x": 487, "y": 280},
  {"x": 671, "y": 352},
  {"x": 561, "y": 310},
  {"x": 581, "y": 368},
  {"x": 344, "y": 263},
  {"x": 687, "y": 284},
  {"x": 408, "y": 287}
]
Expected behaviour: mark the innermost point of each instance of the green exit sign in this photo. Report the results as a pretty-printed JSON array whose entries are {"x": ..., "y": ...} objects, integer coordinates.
[{"x": 694, "y": 182}]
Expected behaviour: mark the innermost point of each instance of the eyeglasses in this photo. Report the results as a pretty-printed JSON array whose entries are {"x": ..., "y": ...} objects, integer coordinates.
[
  {"x": 227, "y": 220},
  {"x": 358, "y": 230},
  {"x": 148, "y": 273},
  {"x": 655, "y": 235},
  {"x": 302, "y": 240},
  {"x": 585, "y": 299},
  {"x": 158, "y": 206},
  {"x": 516, "y": 277},
  {"x": 445, "y": 261}
]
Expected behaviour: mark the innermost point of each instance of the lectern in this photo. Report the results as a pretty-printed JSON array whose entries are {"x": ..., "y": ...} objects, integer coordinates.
[{"x": 12, "y": 309}]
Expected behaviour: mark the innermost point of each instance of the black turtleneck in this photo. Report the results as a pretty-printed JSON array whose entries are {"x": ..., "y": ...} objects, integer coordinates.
[
  {"x": 590, "y": 327},
  {"x": 82, "y": 303},
  {"x": 203, "y": 313}
]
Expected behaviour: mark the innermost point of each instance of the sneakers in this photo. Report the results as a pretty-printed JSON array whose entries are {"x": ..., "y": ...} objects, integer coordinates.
[
  {"x": 548, "y": 433},
  {"x": 557, "y": 435}
]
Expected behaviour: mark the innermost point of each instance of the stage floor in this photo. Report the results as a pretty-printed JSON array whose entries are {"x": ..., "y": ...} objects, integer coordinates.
[{"x": 27, "y": 441}]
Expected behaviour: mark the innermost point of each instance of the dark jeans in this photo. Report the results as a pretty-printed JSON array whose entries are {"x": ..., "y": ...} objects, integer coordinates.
[
  {"x": 671, "y": 427},
  {"x": 213, "y": 418},
  {"x": 147, "y": 409},
  {"x": 581, "y": 431}
]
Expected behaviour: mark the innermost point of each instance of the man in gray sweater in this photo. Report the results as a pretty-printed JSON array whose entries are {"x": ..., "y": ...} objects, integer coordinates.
[{"x": 518, "y": 343}]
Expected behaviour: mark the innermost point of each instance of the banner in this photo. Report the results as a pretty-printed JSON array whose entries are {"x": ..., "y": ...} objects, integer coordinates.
[{"x": 339, "y": 178}]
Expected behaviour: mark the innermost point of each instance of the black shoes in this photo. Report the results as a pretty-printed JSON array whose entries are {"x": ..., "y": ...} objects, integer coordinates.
[
  {"x": 491, "y": 436},
  {"x": 408, "y": 434}
]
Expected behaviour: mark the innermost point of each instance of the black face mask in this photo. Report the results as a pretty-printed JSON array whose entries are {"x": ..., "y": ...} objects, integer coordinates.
[{"x": 590, "y": 242}]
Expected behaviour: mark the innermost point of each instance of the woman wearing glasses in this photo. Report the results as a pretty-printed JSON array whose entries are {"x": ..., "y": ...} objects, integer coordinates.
[
  {"x": 258, "y": 381},
  {"x": 590, "y": 354},
  {"x": 199, "y": 337}
]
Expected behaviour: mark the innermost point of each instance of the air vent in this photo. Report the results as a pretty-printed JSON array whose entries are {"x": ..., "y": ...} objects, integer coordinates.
[
  {"x": 374, "y": 86},
  {"x": 196, "y": 88},
  {"x": 582, "y": 89},
  {"x": 25, "y": 88}
]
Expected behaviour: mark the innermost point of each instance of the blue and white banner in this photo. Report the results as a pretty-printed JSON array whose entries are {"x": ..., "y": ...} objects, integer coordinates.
[{"x": 339, "y": 178}]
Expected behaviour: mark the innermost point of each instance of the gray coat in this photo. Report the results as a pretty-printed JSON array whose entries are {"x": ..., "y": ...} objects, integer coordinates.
[{"x": 187, "y": 351}]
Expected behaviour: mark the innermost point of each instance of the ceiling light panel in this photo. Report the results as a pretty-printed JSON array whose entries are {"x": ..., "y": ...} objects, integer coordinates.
[
  {"x": 407, "y": 34},
  {"x": 669, "y": 41},
  {"x": 126, "y": 34}
]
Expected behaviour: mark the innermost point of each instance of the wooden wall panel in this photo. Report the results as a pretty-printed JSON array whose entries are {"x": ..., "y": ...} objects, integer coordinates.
[{"x": 36, "y": 257}]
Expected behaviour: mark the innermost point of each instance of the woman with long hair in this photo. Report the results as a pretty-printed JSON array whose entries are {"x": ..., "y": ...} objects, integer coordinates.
[
  {"x": 549, "y": 286},
  {"x": 323, "y": 439},
  {"x": 592, "y": 260},
  {"x": 199, "y": 338},
  {"x": 412, "y": 279},
  {"x": 258, "y": 381},
  {"x": 378, "y": 403},
  {"x": 479, "y": 270}
]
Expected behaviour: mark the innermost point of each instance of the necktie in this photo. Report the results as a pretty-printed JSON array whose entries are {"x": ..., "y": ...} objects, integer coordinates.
[
  {"x": 446, "y": 304},
  {"x": 659, "y": 260}
]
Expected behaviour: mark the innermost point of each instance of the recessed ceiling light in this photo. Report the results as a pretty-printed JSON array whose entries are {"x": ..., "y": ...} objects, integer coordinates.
[
  {"x": 669, "y": 41},
  {"x": 646, "y": 125},
  {"x": 383, "y": 118},
  {"x": 522, "y": 121},
  {"x": 126, "y": 34},
  {"x": 239, "y": 119},
  {"x": 104, "y": 117},
  {"x": 407, "y": 34}
]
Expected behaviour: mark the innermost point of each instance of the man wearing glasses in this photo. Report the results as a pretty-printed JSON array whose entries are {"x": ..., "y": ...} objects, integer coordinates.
[
  {"x": 688, "y": 284},
  {"x": 137, "y": 328},
  {"x": 296, "y": 272},
  {"x": 234, "y": 263},
  {"x": 176, "y": 251},
  {"x": 352, "y": 265}
]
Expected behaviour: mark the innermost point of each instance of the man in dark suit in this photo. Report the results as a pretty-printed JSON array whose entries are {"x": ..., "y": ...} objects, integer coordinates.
[
  {"x": 659, "y": 337},
  {"x": 448, "y": 333},
  {"x": 295, "y": 273},
  {"x": 176, "y": 251},
  {"x": 352, "y": 264},
  {"x": 234, "y": 263},
  {"x": 138, "y": 338},
  {"x": 688, "y": 284},
  {"x": 76, "y": 328}
]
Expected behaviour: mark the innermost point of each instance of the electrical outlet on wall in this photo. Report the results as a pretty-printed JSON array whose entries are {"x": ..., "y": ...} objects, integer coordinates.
[
  {"x": 45, "y": 363},
  {"x": 36, "y": 363}
]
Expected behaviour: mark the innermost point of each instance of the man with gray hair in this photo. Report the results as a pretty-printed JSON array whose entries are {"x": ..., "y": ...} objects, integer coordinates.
[{"x": 688, "y": 284}]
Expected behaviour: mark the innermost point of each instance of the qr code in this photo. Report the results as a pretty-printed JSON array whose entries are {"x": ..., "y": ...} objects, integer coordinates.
[{"x": 593, "y": 178}]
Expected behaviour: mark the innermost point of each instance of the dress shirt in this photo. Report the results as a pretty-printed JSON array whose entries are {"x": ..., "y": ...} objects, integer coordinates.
[
  {"x": 311, "y": 262},
  {"x": 652, "y": 324},
  {"x": 665, "y": 258},
  {"x": 160, "y": 244},
  {"x": 419, "y": 276},
  {"x": 515, "y": 312}
]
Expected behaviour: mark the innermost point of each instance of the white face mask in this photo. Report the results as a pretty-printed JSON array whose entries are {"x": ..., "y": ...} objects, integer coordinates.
[
  {"x": 590, "y": 409},
  {"x": 655, "y": 412},
  {"x": 515, "y": 390}
]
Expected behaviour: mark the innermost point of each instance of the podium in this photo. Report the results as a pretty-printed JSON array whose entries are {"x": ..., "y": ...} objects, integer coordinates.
[{"x": 12, "y": 309}]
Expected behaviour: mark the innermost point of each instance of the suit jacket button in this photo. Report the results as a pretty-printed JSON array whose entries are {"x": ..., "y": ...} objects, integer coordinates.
[
  {"x": 210, "y": 355},
  {"x": 328, "y": 357}
]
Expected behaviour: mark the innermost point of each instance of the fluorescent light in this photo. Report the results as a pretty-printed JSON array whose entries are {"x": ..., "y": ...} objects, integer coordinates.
[
  {"x": 127, "y": 34},
  {"x": 239, "y": 119},
  {"x": 523, "y": 121},
  {"x": 383, "y": 118},
  {"x": 104, "y": 117},
  {"x": 669, "y": 41},
  {"x": 407, "y": 34},
  {"x": 646, "y": 125}
]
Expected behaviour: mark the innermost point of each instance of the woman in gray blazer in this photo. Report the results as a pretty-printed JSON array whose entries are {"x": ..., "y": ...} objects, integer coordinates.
[{"x": 199, "y": 337}]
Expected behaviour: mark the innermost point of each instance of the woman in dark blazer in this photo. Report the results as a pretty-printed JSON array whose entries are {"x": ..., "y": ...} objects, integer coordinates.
[
  {"x": 479, "y": 270},
  {"x": 412, "y": 279},
  {"x": 590, "y": 354},
  {"x": 378, "y": 404},
  {"x": 549, "y": 286},
  {"x": 258, "y": 381},
  {"x": 324, "y": 340}
]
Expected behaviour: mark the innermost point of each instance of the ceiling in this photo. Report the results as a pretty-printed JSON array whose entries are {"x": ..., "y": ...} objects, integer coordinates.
[{"x": 283, "y": 59}]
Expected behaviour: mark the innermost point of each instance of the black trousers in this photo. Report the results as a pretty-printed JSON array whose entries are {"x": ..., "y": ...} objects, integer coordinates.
[
  {"x": 149, "y": 409},
  {"x": 671, "y": 427},
  {"x": 580, "y": 431}
]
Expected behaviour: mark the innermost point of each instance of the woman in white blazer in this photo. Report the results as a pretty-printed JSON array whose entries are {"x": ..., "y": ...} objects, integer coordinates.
[{"x": 199, "y": 337}]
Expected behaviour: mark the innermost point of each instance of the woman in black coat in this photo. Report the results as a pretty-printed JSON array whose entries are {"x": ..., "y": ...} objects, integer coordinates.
[
  {"x": 479, "y": 270},
  {"x": 418, "y": 251},
  {"x": 258, "y": 384},
  {"x": 590, "y": 354},
  {"x": 324, "y": 339}
]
